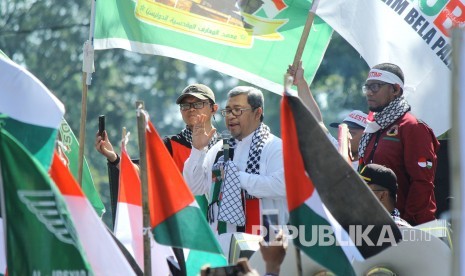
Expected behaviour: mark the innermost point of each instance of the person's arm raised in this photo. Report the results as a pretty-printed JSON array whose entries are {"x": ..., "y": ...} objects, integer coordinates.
[
  {"x": 304, "y": 92},
  {"x": 104, "y": 146}
]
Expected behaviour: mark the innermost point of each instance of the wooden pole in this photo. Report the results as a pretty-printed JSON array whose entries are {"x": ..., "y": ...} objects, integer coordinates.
[
  {"x": 303, "y": 38},
  {"x": 123, "y": 138},
  {"x": 82, "y": 128},
  {"x": 87, "y": 69},
  {"x": 141, "y": 124}
]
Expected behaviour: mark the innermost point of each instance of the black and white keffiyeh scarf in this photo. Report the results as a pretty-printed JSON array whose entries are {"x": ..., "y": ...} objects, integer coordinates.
[
  {"x": 383, "y": 119},
  {"x": 231, "y": 210},
  {"x": 259, "y": 137},
  {"x": 187, "y": 134}
]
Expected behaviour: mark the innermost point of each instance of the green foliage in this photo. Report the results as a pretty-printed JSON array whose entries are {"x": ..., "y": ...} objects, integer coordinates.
[
  {"x": 338, "y": 83},
  {"x": 47, "y": 37}
]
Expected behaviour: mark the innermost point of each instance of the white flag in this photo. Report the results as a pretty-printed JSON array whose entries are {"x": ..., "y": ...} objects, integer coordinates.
[{"x": 411, "y": 34}]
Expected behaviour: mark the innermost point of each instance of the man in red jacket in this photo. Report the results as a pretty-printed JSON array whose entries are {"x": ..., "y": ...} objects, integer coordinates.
[{"x": 398, "y": 140}]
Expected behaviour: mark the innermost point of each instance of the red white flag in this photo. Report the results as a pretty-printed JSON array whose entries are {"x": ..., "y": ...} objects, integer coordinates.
[{"x": 101, "y": 250}]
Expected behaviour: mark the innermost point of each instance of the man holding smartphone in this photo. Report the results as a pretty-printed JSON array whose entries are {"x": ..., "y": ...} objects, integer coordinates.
[{"x": 195, "y": 99}]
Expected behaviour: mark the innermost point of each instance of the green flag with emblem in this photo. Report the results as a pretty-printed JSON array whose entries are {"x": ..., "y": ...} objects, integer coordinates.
[
  {"x": 251, "y": 40},
  {"x": 40, "y": 235},
  {"x": 70, "y": 147}
]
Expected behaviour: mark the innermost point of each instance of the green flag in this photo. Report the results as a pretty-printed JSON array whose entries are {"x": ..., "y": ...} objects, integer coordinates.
[
  {"x": 71, "y": 149},
  {"x": 252, "y": 43},
  {"x": 40, "y": 235}
]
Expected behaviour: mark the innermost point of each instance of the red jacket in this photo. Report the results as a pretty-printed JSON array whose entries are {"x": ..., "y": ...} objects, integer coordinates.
[{"x": 409, "y": 148}]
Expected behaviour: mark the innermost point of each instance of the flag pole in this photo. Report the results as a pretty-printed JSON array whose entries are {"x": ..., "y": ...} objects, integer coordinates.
[
  {"x": 87, "y": 70},
  {"x": 455, "y": 152},
  {"x": 141, "y": 128},
  {"x": 82, "y": 128},
  {"x": 305, "y": 33},
  {"x": 123, "y": 138}
]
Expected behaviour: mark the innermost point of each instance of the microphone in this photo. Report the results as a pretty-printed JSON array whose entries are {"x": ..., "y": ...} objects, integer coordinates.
[{"x": 225, "y": 135}]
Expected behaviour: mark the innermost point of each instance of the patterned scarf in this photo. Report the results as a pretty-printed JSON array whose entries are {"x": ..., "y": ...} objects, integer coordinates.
[
  {"x": 187, "y": 134},
  {"x": 231, "y": 210},
  {"x": 385, "y": 118},
  {"x": 260, "y": 135}
]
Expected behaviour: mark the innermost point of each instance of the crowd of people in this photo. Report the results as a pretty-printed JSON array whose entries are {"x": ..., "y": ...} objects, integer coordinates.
[{"x": 394, "y": 152}]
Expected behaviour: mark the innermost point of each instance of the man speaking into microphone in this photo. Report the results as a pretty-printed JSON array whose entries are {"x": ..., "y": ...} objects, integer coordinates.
[{"x": 253, "y": 175}]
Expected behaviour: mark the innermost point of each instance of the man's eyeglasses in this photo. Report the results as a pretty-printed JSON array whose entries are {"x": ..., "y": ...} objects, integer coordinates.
[
  {"x": 196, "y": 105},
  {"x": 234, "y": 111},
  {"x": 373, "y": 87}
]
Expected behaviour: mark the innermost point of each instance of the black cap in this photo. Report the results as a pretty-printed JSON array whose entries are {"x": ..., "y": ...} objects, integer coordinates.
[
  {"x": 349, "y": 125},
  {"x": 381, "y": 176}
]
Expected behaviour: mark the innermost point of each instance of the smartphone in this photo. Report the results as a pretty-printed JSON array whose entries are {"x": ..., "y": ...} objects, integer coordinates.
[
  {"x": 270, "y": 222},
  {"x": 232, "y": 270},
  {"x": 101, "y": 126}
]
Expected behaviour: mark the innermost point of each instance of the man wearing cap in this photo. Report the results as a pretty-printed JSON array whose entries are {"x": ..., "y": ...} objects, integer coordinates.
[
  {"x": 383, "y": 183},
  {"x": 253, "y": 173},
  {"x": 396, "y": 139},
  {"x": 194, "y": 100},
  {"x": 356, "y": 122}
]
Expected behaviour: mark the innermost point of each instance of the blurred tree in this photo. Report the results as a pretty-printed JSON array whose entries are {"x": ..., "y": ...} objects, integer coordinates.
[{"x": 338, "y": 82}]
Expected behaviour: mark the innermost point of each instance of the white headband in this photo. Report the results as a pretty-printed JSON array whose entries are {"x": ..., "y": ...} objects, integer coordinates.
[{"x": 388, "y": 77}]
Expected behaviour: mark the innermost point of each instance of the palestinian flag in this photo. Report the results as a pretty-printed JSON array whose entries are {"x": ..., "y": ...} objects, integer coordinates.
[
  {"x": 175, "y": 216},
  {"x": 29, "y": 111},
  {"x": 323, "y": 191},
  {"x": 425, "y": 163},
  {"x": 41, "y": 237},
  {"x": 128, "y": 223}
]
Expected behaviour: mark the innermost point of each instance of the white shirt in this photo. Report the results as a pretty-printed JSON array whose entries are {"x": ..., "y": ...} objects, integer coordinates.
[{"x": 269, "y": 185}]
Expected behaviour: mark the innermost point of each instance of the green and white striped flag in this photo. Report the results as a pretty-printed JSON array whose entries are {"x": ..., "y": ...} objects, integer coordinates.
[{"x": 29, "y": 111}]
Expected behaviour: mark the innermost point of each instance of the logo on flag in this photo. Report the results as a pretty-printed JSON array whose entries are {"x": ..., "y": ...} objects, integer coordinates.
[
  {"x": 233, "y": 23},
  {"x": 44, "y": 206}
]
